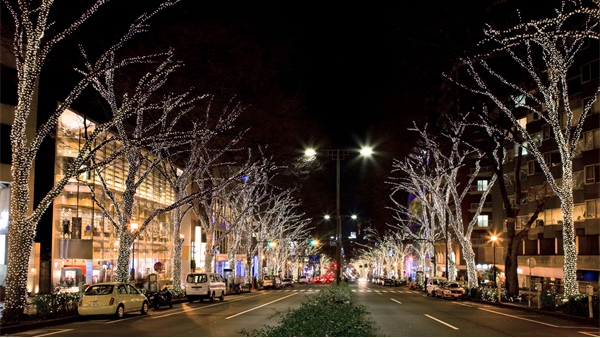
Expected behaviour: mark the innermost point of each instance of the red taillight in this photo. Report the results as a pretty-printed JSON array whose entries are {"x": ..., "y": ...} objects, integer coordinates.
[
  {"x": 112, "y": 301},
  {"x": 80, "y": 302}
]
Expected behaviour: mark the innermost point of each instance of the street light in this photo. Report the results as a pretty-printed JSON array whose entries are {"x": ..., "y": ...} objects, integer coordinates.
[
  {"x": 134, "y": 228},
  {"x": 337, "y": 155},
  {"x": 494, "y": 239}
]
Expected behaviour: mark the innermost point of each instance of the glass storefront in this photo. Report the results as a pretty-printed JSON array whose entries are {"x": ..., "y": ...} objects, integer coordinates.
[{"x": 84, "y": 241}]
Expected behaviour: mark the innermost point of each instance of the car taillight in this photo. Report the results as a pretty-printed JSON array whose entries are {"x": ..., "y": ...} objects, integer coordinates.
[
  {"x": 112, "y": 301},
  {"x": 81, "y": 302}
]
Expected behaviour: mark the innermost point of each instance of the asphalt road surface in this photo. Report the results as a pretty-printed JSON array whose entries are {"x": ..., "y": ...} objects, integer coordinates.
[{"x": 397, "y": 312}]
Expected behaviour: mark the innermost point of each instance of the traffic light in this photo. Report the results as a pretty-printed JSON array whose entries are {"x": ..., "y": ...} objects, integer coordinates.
[
  {"x": 314, "y": 242},
  {"x": 271, "y": 244}
]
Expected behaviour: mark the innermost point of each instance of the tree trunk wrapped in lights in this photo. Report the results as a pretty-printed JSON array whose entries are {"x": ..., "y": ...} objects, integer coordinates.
[
  {"x": 205, "y": 152},
  {"x": 33, "y": 41},
  {"x": 544, "y": 52}
]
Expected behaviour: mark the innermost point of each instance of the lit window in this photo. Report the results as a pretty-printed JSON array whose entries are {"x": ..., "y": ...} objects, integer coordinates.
[
  {"x": 592, "y": 208},
  {"x": 591, "y": 139},
  {"x": 590, "y": 172},
  {"x": 482, "y": 221},
  {"x": 482, "y": 185}
]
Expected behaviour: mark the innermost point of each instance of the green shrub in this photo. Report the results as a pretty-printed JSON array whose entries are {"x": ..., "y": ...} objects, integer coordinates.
[
  {"x": 332, "y": 312},
  {"x": 56, "y": 304},
  {"x": 548, "y": 299},
  {"x": 578, "y": 305}
]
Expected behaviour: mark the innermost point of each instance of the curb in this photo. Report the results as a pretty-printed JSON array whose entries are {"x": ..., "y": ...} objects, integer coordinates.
[{"x": 554, "y": 314}]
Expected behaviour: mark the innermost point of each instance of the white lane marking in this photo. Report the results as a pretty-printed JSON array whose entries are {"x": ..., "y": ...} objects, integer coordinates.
[
  {"x": 465, "y": 305},
  {"x": 207, "y": 306},
  {"x": 538, "y": 322},
  {"x": 440, "y": 321},
  {"x": 589, "y": 334},
  {"x": 393, "y": 300},
  {"x": 377, "y": 292},
  {"x": 55, "y": 332},
  {"x": 258, "y": 307}
]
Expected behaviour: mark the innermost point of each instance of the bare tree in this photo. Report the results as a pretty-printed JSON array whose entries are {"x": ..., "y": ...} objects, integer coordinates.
[
  {"x": 143, "y": 139},
  {"x": 207, "y": 149},
  {"x": 423, "y": 220},
  {"x": 448, "y": 164},
  {"x": 33, "y": 40},
  {"x": 544, "y": 51}
]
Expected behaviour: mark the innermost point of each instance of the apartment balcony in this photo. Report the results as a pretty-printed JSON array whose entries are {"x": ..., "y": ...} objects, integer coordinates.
[
  {"x": 483, "y": 171},
  {"x": 487, "y": 207}
]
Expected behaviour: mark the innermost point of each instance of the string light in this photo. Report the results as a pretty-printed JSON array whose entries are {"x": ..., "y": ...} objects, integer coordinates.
[
  {"x": 545, "y": 50},
  {"x": 32, "y": 42}
]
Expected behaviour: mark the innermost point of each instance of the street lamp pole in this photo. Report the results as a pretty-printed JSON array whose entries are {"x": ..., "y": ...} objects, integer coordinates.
[
  {"x": 338, "y": 249},
  {"x": 494, "y": 239},
  {"x": 338, "y": 153}
]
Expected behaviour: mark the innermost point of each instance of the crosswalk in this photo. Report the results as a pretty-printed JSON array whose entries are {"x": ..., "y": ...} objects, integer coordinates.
[{"x": 366, "y": 290}]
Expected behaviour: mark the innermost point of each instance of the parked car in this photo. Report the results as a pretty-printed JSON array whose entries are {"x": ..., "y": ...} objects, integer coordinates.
[
  {"x": 388, "y": 282},
  {"x": 450, "y": 290},
  {"x": 301, "y": 279},
  {"x": 114, "y": 298},
  {"x": 272, "y": 282},
  {"x": 433, "y": 283},
  {"x": 204, "y": 285},
  {"x": 287, "y": 282}
]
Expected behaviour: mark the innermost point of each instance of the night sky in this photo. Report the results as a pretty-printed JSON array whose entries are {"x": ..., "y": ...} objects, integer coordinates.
[{"x": 325, "y": 73}]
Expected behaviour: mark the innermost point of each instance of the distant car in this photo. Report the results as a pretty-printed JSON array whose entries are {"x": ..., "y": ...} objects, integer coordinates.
[
  {"x": 114, "y": 298},
  {"x": 450, "y": 290},
  {"x": 301, "y": 279},
  {"x": 287, "y": 282},
  {"x": 272, "y": 282}
]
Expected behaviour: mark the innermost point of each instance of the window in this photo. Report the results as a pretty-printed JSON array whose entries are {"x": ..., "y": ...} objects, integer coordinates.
[
  {"x": 522, "y": 149},
  {"x": 552, "y": 159},
  {"x": 592, "y": 208},
  {"x": 482, "y": 221},
  {"x": 591, "y": 139},
  {"x": 589, "y": 71},
  {"x": 533, "y": 167},
  {"x": 579, "y": 212},
  {"x": 519, "y": 100},
  {"x": 578, "y": 179},
  {"x": 547, "y": 131},
  {"x": 595, "y": 106},
  {"x": 482, "y": 185},
  {"x": 521, "y": 222},
  {"x": 537, "y": 139},
  {"x": 590, "y": 172}
]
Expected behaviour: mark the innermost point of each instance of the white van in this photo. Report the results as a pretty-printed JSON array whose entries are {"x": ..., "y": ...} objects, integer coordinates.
[
  {"x": 432, "y": 283},
  {"x": 202, "y": 285}
]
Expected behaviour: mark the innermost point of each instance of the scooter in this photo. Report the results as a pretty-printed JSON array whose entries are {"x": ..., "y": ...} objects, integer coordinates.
[{"x": 160, "y": 298}]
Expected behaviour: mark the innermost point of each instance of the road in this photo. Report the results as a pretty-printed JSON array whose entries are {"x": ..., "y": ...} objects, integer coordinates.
[{"x": 397, "y": 311}]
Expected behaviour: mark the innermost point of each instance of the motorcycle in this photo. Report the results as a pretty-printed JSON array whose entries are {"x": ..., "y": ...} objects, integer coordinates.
[{"x": 160, "y": 298}]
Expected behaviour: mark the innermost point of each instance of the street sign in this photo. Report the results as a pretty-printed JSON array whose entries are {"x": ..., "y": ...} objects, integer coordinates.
[
  {"x": 531, "y": 262},
  {"x": 314, "y": 259},
  {"x": 158, "y": 267}
]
